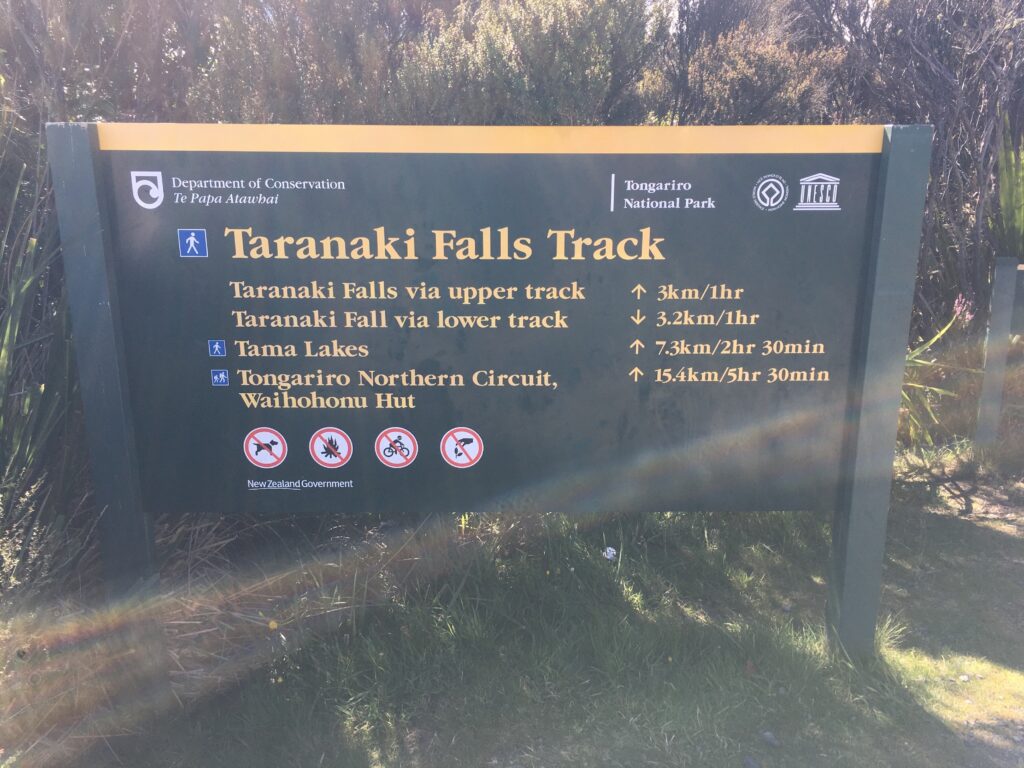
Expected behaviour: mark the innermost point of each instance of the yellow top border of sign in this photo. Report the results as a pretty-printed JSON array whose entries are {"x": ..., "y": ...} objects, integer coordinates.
[{"x": 496, "y": 140}]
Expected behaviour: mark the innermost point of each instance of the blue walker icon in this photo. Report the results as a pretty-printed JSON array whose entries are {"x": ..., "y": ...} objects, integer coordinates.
[
  {"x": 192, "y": 243},
  {"x": 217, "y": 348}
]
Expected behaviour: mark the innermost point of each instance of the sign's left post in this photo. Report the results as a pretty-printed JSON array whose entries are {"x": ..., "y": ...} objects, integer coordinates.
[{"x": 84, "y": 219}]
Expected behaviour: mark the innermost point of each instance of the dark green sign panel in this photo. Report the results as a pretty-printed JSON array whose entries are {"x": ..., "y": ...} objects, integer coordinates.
[{"x": 399, "y": 321}]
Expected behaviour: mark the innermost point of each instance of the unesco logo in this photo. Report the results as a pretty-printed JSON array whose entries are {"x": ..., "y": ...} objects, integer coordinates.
[{"x": 770, "y": 192}]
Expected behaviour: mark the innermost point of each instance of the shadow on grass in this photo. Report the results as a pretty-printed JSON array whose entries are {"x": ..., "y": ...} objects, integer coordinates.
[
  {"x": 957, "y": 580},
  {"x": 700, "y": 644}
]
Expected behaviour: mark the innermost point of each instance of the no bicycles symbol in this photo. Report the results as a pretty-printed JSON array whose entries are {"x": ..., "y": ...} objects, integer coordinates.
[
  {"x": 462, "y": 447},
  {"x": 265, "y": 447},
  {"x": 396, "y": 447},
  {"x": 330, "y": 447}
]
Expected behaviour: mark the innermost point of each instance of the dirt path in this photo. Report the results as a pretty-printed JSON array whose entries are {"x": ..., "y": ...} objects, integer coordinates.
[{"x": 957, "y": 581}]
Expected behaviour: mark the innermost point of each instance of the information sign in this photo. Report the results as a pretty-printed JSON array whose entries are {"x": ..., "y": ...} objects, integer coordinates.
[{"x": 631, "y": 318}]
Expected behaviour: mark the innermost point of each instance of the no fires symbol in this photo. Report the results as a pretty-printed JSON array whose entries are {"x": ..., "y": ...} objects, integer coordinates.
[{"x": 330, "y": 447}]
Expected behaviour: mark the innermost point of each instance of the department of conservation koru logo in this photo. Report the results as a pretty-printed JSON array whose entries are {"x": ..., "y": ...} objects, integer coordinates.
[
  {"x": 148, "y": 188},
  {"x": 770, "y": 192}
]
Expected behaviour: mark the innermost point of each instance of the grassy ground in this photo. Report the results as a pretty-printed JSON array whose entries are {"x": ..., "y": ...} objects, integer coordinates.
[{"x": 701, "y": 644}]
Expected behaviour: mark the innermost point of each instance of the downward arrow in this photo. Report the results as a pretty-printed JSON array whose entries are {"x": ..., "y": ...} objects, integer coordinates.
[
  {"x": 639, "y": 290},
  {"x": 636, "y": 373},
  {"x": 638, "y": 318},
  {"x": 636, "y": 346}
]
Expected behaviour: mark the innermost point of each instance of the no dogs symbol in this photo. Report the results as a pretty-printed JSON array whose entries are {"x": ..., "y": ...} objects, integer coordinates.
[
  {"x": 462, "y": 447},
  {"x": 265, "y": 447},
  {"x": 330, "y": 447}
]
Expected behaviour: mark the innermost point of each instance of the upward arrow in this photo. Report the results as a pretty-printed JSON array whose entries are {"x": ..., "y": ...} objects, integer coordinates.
[
  {"x": 636, "y": 346},
  {"x": 638, "y": 290},
  {"x": 636, "y": 373},
  {"x": 637, "y": 318}
]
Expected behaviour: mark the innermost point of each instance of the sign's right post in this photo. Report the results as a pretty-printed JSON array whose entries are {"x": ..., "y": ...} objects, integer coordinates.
[
  {"x": 997, "y": 346},
  {"x": 1017, "y": 324},
  {"x": 859, "y": 525}
]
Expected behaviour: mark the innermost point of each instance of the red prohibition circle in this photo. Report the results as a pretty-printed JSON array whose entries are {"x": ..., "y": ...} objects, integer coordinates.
[
  {"x": 318, "y": 457},
  {"x": 393, "y": 452},
  {"x": 471, "y": 459},
  {"x": 253, "y": 448}
]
